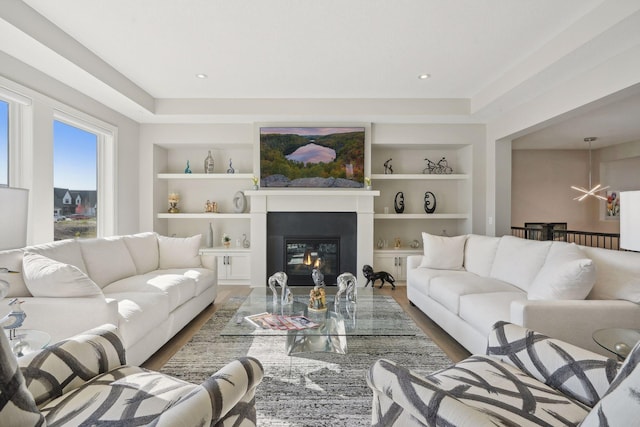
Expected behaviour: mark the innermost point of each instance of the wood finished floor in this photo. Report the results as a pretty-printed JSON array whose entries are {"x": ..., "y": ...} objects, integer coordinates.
[{"x": 450, "y": 346}]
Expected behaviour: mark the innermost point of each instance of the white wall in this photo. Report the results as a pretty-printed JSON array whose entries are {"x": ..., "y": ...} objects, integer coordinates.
[{"x": 40, "y": 175}]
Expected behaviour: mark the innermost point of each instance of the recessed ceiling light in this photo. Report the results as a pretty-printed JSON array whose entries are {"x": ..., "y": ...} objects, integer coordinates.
[
  {"x": 424, "y": 76},
  {"x": 201, "y": 76}
]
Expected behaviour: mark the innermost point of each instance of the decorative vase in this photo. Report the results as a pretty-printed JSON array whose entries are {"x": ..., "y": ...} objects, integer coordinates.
[
  {"x": 429, "y": 202},
  {"x": 210, "y": 236},
  {"x": 188, "y": 168},
  {"x": 398, "y": 203},
  {"x": 208, "y": 163}
]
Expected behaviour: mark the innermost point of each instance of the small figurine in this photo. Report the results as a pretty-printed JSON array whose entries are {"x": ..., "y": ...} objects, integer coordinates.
[
  {"x": 318, "y": 277},
  {"x": 280, "y": 278},
  {"x": 346, "y": 282},
  {"x": 231, "y": 169},
  {"x": 208, "y": 207},
  {"x": 372, "y": 276},
  {"x": 317, "y": 299},
  {"x": 15, "y": 318},
  {"x": 188, "y": 168},
  {"x": 388, "y": 169}
]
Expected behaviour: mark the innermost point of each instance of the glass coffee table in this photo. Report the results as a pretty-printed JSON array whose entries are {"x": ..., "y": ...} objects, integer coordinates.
[{"x": 371, "y": 315}]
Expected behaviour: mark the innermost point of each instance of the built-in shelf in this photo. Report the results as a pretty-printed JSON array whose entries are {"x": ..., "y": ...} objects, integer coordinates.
[
  {"x": 419, "y": 176},
  {"x": 422, "y": 216},
  {"x": 334, "y": 192},
  {"x": 204, "y": 215},
  {"x": 211, "y": 176},
  {"x": 224, "y": 249}
]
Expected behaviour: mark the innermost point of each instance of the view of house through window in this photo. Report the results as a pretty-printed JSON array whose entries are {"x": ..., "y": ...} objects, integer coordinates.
[
  {"x": 4, "y": 143},
  {"x": 75, "y": 182}
]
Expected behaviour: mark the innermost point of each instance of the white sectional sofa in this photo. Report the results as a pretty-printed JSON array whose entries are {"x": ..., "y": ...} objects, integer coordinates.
[
  {"x": 468, "y": 283},
  {"x": 149, "y": 286}
]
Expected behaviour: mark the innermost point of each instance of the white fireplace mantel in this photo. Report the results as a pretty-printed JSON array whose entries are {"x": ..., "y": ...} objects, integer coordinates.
[{"x": 264, "y": 201}]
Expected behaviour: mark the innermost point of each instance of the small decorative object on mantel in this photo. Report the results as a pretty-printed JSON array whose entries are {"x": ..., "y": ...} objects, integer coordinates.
[
  {"x": 388, "y": 169},
  {"x": 231, "y": 169},
  {"x": 429, "y": 202},
  {"x": 380, "y": 244},
  {"x": 239, "y": 202},
  {"x": 226, "y": 240},
  {"x": 346, "y": 282},
  {"x": 188, "y": 168},
  {"x": 208, "y": 163},
  {"x": 367, "y": 183},
  {"x": 398, "y": 203},
  {"x": 208, "y": 206},
  {"x": 255, "y": 180},
  {"x": 397, "y": 243},
  {"x": 415, "y": 244},
  {"x": 372, "y": 276},
  {"x": 174, "y": 198},
  {"x": 245, "y": 241}
]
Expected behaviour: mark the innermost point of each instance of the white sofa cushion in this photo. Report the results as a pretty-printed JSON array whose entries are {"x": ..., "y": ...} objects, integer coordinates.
[
  {"x": 177, "y": 252},
  {"x": 203, "y": 277},
  {"x": 447, "y": 289},
  {"x": 479, "y": 253},
  {"x": 66, "y": 251},
  {"x": 12, "y": 260},
  {"x": 442, "y": 252},
  {"x": 49, "y": 278},
  {"x": 177, "y": 287},
  {"x": 139, "y": 313},
  {"x": 482, "y": 311},
  {"x": 566, "y": 274},
  {"x": 617, "y": 274},
  {"x": 107, "y": 260},
  {"x": 143, "y": 248},
  {"x": 518, "y": 261}
]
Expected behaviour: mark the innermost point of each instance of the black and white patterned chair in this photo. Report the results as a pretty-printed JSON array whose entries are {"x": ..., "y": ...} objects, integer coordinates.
[
  {"x": 526, "y": 379},
  {"x": 83, "y": 381}
]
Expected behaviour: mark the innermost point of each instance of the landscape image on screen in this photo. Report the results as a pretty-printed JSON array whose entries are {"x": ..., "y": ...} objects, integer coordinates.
[{"x": 312, "y": 157}]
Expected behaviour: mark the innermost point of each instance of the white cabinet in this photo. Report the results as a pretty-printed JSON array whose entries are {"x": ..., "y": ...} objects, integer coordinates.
[
  {"x": 393, "y": 261},
  {"x": 234, "y": 265}
]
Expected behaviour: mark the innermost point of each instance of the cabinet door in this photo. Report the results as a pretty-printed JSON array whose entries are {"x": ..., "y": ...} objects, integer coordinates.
[
  {"x": 394, "y": 264},
  {"x": 223, "y": 272},
  {"x": 238, "y": 267}
]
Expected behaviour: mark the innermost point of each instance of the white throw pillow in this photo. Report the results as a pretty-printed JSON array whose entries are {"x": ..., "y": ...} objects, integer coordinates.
[
  {"x": 45, "y": 277},
  {"x": 178, "y": 252},
  {"x": 443, "y": 253},
  {"x": 143, "y": 248},
  {"x": 567, "y": 274}
]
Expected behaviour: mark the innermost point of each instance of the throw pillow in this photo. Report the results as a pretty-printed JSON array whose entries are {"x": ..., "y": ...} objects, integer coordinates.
[
  {"x": 566, "y": 274},
  {"x": 620, "y": 406},
  {"x": 45, "y": 277},
  {"x": 18, "y": 407},
  {"x": 443, "y": 253},
  {"x": 178, "y": 252}
]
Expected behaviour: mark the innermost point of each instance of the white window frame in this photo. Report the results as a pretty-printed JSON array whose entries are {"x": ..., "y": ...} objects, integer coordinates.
[
  {"x": 19, "y": 130},
  {"x": 106, "y": 162}
]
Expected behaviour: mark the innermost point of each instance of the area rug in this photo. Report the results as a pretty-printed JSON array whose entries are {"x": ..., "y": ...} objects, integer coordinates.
[{"x": 310, "y": 389}]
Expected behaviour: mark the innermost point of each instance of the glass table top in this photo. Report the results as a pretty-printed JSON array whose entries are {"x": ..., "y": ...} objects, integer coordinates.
[
  {"x": 25, "y": 341},
  {"x": 619, "y": 341},
  {"x": 371, "y": 315}
]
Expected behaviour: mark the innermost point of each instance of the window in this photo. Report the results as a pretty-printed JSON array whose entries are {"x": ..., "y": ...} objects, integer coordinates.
[
  {"x": 75, "y": 174},
  {"x": 4, "y": 143}
]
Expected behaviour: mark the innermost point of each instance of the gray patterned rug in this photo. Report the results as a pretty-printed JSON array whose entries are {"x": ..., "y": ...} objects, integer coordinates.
[{"x": 313, "y": 389}]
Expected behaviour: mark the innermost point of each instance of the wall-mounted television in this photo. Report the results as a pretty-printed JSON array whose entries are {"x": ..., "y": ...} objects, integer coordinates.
[{"x": 325, "y": 157}]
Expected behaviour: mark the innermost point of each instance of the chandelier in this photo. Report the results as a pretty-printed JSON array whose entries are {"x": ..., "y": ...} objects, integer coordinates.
[{"x": 593, "y": 191}]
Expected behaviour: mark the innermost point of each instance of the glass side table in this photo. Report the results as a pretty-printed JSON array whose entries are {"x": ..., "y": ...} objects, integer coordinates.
[
  {"x": 25, "y": 341},
  {"x": 619, "y": 341}
]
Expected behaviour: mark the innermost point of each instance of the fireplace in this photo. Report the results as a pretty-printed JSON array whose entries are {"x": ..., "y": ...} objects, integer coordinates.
[{"x": 298, "y": 241}]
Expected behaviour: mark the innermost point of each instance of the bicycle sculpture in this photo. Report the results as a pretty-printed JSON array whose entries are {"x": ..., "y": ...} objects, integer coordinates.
[{"x": 442, "y": 167}]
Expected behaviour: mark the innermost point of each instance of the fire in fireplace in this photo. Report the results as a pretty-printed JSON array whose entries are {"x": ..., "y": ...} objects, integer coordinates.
[{"x": 302, "y": 255}]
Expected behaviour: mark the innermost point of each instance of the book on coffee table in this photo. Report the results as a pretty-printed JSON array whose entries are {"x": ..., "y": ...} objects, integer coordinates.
[{"x": 271, "y": 321}]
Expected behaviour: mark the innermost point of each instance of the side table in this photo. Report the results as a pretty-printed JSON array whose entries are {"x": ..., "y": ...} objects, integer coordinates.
[
  {"x": 25, "y": 341},
  {"x": 619, "y": 341}
]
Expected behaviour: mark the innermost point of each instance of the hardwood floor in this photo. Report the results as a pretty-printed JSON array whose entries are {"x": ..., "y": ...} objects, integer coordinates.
[{"x": 450, "y": 346}]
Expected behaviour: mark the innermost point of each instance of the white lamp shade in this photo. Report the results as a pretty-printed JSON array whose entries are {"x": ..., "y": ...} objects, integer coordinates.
[
  {"x": 14, "y": 206},
  {"x": 630, "y": 220}
]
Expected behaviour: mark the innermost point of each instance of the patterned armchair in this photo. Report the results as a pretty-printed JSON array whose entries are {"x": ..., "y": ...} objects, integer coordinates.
[
  {"x": 84, "y": 381},
  {"x": 526, "y": 379}
]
